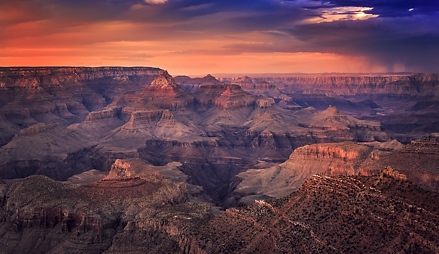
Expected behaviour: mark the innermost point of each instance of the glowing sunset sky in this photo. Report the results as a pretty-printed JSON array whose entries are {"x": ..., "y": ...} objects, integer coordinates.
[{"x": 198, "y": 37}]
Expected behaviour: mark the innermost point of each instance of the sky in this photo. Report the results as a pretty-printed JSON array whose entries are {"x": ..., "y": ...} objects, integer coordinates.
[{"x": 195, "y": 37}]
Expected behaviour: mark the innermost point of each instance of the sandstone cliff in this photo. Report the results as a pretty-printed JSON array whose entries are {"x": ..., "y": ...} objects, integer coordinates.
[{"x": 331, "y": 159}]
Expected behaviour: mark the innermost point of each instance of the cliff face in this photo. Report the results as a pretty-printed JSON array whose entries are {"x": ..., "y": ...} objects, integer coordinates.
[
  {"x": 234, "y": 97},
  {"x": 162, "y": 93},
  {"x": 38, "y": 79},
  {"x": 415, "y": 85},
  {"x": 63, "y": 95},
  {"x": 332, "y": 123},
  {"x": 417, "y": 160},
  {"x": 330, "y": 159}
]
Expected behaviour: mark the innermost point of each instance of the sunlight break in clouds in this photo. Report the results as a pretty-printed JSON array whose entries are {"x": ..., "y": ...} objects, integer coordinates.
[
  {"x": 342, "y": 13},
  {"x": 156, "y": 1}
]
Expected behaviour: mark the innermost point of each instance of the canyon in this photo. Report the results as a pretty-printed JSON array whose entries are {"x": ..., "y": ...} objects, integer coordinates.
[
  {"x": 120, "y": 159},
  {"x": 134, "y": 209}
]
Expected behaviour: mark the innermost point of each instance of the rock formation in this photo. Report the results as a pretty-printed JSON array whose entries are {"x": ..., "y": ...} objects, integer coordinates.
[
  {"x": 419, "y": 160},
  {"x": 192, "y": 84},
  {"x": 62, "y": 95},
  {"x": 132, "y": 210},
  {"x": 329, "y": 159},
  {"x": 135, "y": 210},
  {"x": 377, "y": 214},
  {"x": 348, "y": 85}
]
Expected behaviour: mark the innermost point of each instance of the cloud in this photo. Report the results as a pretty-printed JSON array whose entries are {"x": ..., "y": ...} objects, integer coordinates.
[
  {"x": 390, "y": 8},
  {"x": 385, "y": 32},
  {"x": 156, "y": 1},
  {"x": 408, "y": 42}
]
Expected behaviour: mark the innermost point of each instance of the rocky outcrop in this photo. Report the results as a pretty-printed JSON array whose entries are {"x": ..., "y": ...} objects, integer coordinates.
[
  {"x": 234, "y": 97},
  {"x": 135, "y": 211},
  {"x": 329, "y": 159},
  {"x": 261, "y": 87},
  {"x": 223, "y": 96},
  {"x": 162, "y": 93},
  {"x": 103, "y": 114},
  {"x": 332, "y": 123},
  {"x": 192, "y": 84},
  {"x": 129, "y": 169},
  {"x": 140, "y": 118},
  {"x": 377, "y": 214},
  {"x": 264, "y": 102},
  {"x": 419, "y": 160}
]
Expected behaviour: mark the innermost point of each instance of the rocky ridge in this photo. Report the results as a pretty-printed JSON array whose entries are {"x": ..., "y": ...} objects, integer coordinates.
[
  {"x": 410, "y": 85},
  {"x": 383, "y": 213}
]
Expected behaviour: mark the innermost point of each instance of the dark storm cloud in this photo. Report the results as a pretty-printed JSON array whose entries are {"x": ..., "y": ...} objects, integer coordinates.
[{"x": 409, "y": 41}]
